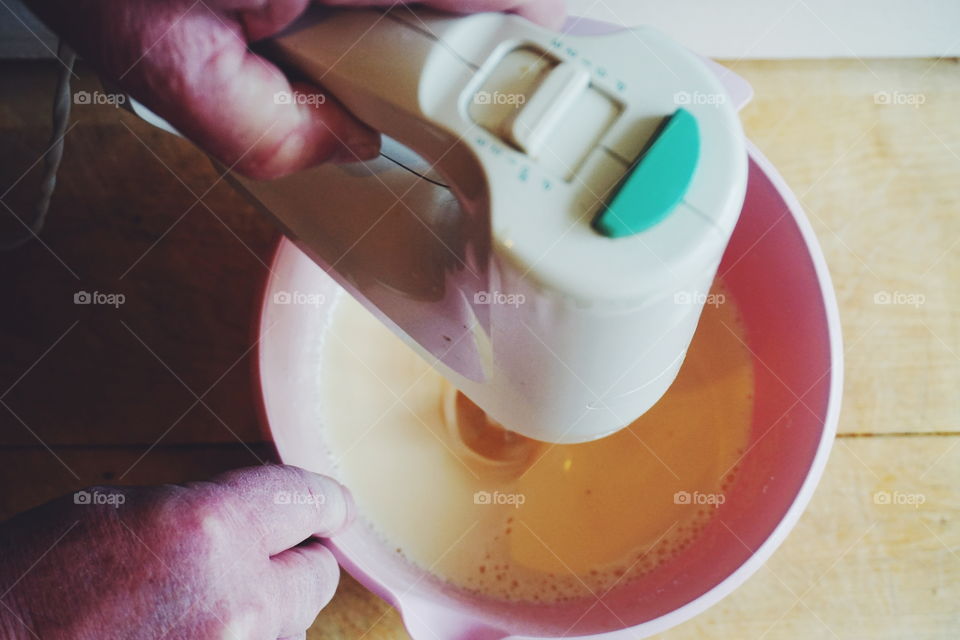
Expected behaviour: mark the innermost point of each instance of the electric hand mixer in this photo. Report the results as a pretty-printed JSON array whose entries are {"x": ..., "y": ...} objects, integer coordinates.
[{"x": 594, "y": 184}]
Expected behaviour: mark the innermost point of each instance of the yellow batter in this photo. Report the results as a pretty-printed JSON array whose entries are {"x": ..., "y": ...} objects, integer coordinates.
[{"x": 572, "y": 520}]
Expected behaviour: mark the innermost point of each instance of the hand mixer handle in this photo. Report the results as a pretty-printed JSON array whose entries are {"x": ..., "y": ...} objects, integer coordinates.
[
  {"x": 560, "y": 329},
  {"x": 389, "y": 69}
]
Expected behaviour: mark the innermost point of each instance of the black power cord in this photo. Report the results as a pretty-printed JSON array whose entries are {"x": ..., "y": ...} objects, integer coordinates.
[{"x": 51, "y": 159}]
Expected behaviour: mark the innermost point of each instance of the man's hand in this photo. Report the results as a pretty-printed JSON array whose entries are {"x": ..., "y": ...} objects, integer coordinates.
[
  {"x": 235, "y": 557},
  {"x": 188, "y": 61}
]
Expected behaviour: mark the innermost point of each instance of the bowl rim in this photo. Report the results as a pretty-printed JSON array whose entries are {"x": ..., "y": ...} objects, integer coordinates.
[{"x": 776, "y": 537}]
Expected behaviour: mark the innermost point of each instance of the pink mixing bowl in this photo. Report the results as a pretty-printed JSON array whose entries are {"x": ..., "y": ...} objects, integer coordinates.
[{"x": 774, "y": 269}]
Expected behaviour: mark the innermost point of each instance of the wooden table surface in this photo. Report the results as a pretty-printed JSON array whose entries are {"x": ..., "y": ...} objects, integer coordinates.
[{"x": 159, "y": 389}]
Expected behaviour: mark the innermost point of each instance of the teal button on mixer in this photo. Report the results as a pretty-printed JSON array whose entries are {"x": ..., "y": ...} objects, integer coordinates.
[{"x": 657, "y": 182}]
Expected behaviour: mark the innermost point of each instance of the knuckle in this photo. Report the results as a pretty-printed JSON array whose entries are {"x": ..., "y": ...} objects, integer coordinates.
[
  {"x": 249, "y": 616},
  {"x": 213, "y": 522},
  {"x": 271, "y": 159},
  {"x": 227, "y": 622},
  {"x": 239, "y": 624},
  {"x": 209, "y": 517}
]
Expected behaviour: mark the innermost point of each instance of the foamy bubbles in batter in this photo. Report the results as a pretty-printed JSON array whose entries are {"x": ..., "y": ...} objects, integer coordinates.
[{"x": 545, "y": 522}]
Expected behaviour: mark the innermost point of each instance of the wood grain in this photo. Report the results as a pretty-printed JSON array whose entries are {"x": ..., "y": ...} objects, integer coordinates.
[
  {"x": 880, "y": 184},
  {"x": 125, "y": 219},
  {"x": 854, "y": 567},
  {"x": 33, "y": 475}
]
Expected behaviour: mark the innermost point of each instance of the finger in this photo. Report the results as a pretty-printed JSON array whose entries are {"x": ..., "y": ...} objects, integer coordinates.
[
  {"x": 307, "y": 576},
  {"x": 549, "y": 13},
  {"x": 262, "y": 19},
  {"x": 239, "y": 107},
  {"x": 286, "y": 505}
]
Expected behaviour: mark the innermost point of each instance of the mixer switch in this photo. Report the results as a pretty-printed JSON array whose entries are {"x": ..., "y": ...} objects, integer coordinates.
[
  {"x": 539, "y": 117},
  {"x": 545, "y": 108},
  {"x": 658, "y": 180}
]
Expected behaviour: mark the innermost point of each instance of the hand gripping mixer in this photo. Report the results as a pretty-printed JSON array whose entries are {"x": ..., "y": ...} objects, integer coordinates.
[{"x": 593, "y": 184}]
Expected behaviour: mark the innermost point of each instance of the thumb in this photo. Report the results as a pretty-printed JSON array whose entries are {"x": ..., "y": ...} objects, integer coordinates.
[
  {"x": 241, "y": 108},
  {"x": 190, "y": 64}
]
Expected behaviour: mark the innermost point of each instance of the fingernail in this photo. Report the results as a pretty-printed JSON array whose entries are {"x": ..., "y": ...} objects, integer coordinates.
[
  {"x": 356, "y": 152},
  {"x": 350, "y": 505},
  {"x": 360, "y": 143}
]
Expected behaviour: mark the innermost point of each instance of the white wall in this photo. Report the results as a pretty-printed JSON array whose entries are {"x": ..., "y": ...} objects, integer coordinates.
[
  {"x": 794, "y": 28},
  {"x": 717, "y": 28}
]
